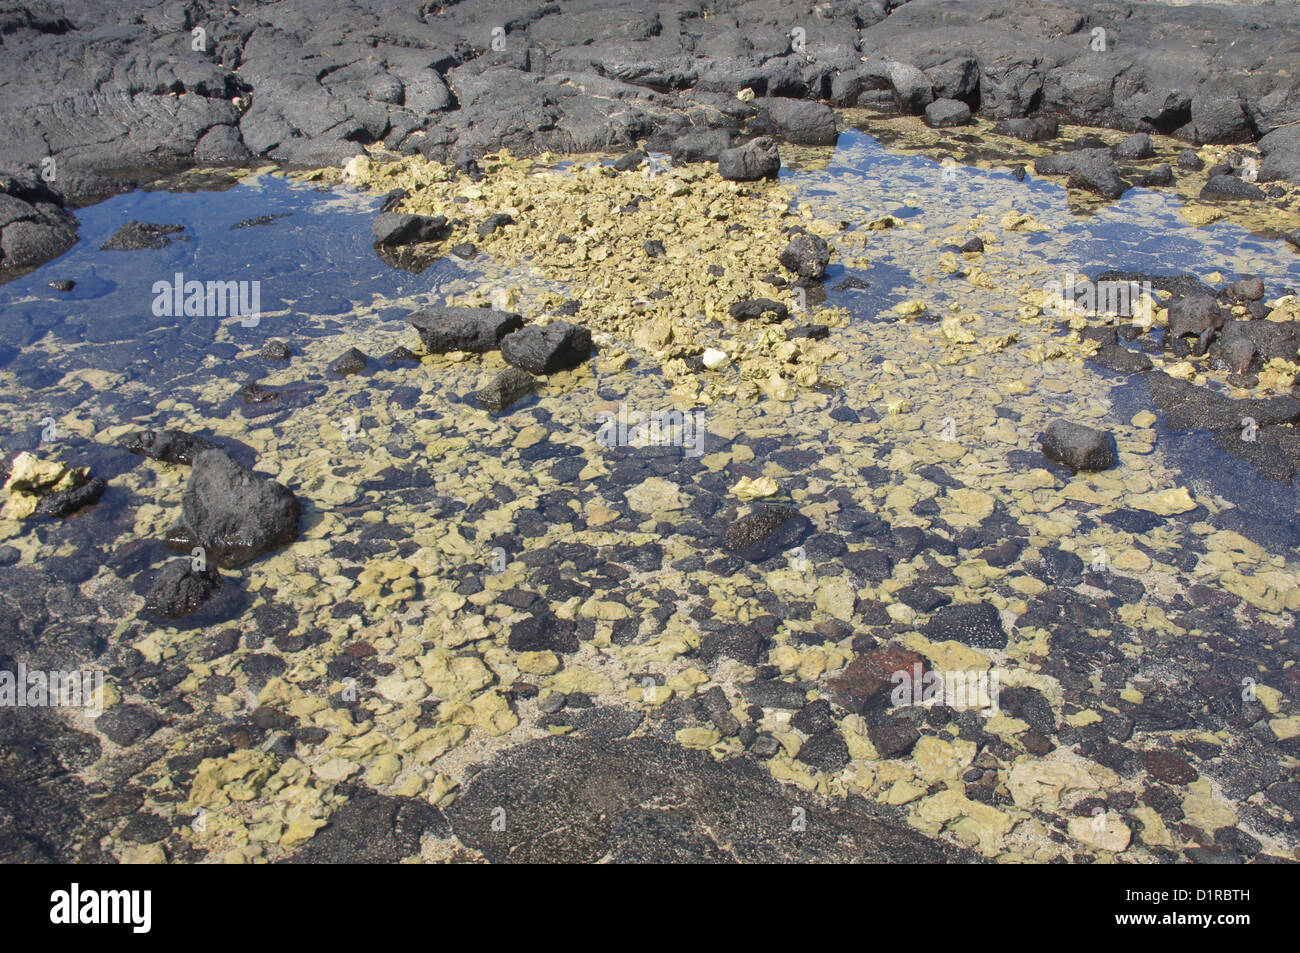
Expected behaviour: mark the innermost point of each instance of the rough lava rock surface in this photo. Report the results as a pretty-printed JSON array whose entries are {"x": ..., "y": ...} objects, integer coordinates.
[{"x": 234, "y": 514}]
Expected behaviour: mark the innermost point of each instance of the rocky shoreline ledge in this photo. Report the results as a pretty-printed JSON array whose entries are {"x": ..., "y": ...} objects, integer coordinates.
[{"x": 96, "y": 99}]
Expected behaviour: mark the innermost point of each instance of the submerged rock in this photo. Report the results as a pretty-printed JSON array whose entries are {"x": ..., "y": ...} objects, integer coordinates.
[
  {"x": 807, "y": 256},
  {"x": 506, "y": 388},
  {"x": 869, "y": 679},
  {"x": 545, "y": 350},
  {"x": 1115, "y": 357},
  {"x": 463, "y": 329},
  {"x": 350, "y": 362},
  {"x": 180, "y": 589},
  {"x": 275, "y": 350},
  {"x": 398, "y": 228},
  {"x": 976, "y": 624},
  {"x": 757, "y": 159},
  {"x": 71, "y": 499},
  {"x": 1077, "y": 446},
  {"x": 168, "y": 446},
  {"x": 136, "y": 236},
  {"x": 233, "y": 514},
  {"x": 763, "y": 534}
]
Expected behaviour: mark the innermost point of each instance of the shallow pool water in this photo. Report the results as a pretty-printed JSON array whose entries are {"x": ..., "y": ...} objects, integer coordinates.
[{"x": 433, "y": 531}]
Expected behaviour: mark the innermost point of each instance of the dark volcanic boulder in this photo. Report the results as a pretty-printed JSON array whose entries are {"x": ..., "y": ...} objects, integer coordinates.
[
  {"x": 807, "y": 256},
  {"x": 757, "y": 159},
  {"x": 463, "y": 329},
  {"x": 1198, "y": 315},
  {"x": 757, "y": 307},
  {"x": 506, "y": 388},
  {"x": 545, "y": 350},
  {"x": 912, "y": 90},
  {"x": 169, "y": 446},
  {"x": 1099, "y": 177},
  {"x": 1063, "y": 163},
  {"x": 943, "y": 113},
  {"x": 800, "y": 121},
  {"x": 1077, "y": 446},
  {"x": 1093, "y": 170},
  {"x": 493, "y": 222},
  {"x": 1281, "y": 149},
  {"x": 706, "y": 146},
  {"x": 1232, "y": 188},
  {"x": 180, "y": 589},
  {"x": 1136, "y": 146},
  {"x": 234, "y": 515},
  {"x": 1028, "y": 129},
  {"x": 763, "y": 534},
  {"x": 1160, "y": 175},
  {"x": 399, "y": 228},
  {"x": 34, "y": 226},
  {"x": 972, "y": 623}
]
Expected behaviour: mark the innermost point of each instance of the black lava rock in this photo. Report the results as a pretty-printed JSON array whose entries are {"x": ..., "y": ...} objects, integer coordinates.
[
  {"x": 1077, "y": 446},
  {"x": 477, "y": 330},
  {"x": 972, "y": 623},
  {"x": 545, "y": 350}
]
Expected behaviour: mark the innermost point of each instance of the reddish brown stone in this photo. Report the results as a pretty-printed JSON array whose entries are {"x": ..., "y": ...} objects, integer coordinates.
[
  {"x": 1170, "y": 767},
  {"x": 871, "y": 675},
  {"x": 360, "y": 650},
  {"x": 1035, "y": 743},
  {"x": 1205, "y": 596}
]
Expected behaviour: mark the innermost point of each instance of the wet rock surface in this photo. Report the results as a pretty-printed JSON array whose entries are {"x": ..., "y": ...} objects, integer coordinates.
[
  {"x": 233, "y": 515},
  {"x": 545, "y": 350},
  {"x": 463, "y": 329},
  {"x": 1078, "y": 447},
  {"x": 168, "y": 446},
  {"x": 507, "y": 388},
  {"x": 609, "y": 797}
]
